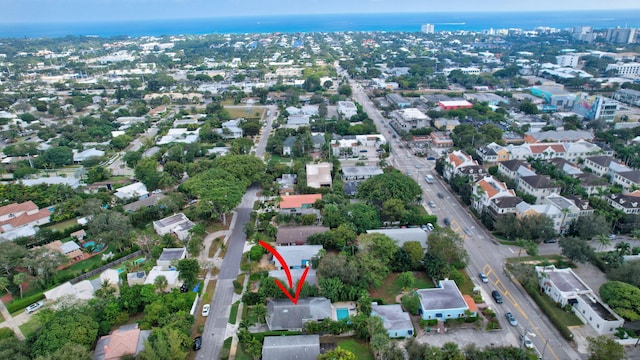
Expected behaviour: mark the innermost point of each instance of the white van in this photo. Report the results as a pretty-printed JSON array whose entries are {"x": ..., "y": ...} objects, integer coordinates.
[{"x": 34, "y": 307}]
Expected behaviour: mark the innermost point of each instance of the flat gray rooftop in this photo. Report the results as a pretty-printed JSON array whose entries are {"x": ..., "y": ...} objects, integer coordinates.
[
  {"x": 446, "y": 297},
  {"x": 566, "y": 281}
]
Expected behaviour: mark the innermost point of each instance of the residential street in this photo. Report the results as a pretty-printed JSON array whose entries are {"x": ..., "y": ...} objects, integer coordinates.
[
  {"x": 484, "y": 252},
  {"x": 216, "y": 324}
]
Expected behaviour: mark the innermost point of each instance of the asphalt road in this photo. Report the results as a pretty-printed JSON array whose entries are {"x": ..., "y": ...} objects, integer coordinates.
[
  {"x": 216, "y": 324},
  {"x": 485, "y": 254}
]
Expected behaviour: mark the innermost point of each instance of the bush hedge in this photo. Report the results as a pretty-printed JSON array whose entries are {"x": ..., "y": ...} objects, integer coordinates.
[
  {"x": 547, "y": 308},
  {"x": 19, "y": 304}
]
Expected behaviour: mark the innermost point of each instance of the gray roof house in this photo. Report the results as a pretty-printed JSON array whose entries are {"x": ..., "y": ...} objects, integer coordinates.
[
  {"x": 282, "y": 314},
  {"x": 299, "y": 347},
  {"x": 396, "y": 321},
  {"x": 297, "y": 235},
  {"x": 171, "y": 254},
  {"x": 287, "y": 145},
  {"x": 297, "y": 257},
  {"x": 296, "y": 274}
]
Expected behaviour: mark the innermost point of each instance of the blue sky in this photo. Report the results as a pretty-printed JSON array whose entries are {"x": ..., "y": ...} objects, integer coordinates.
[{"x": 13, "y": 11}]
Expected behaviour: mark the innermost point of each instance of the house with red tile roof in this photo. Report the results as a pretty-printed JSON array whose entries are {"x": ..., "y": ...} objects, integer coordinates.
[
  {"x": 21, "y": 220},
  {"x": 455, "y": 161},
  {"x": 127, "y": 340},
  {"x": 486, "y": 189},
  {"x": 299, "y": 204}
]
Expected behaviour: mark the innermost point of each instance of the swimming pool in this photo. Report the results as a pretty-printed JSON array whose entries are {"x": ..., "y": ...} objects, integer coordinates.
[
  {"x": 96, "y": 248},
  {"x": 342, "y": 313}
]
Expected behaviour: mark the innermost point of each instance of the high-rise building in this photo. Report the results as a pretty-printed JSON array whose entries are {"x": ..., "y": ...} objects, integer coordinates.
[
  {"x": 583, "y": 33},
  {"x": 621, "y": 36},
  {"x": 427, "y": 28},
  {"x": 569, "y": 60}
]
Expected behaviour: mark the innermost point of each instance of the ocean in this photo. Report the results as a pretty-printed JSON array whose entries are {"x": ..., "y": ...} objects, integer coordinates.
[{"x": 409, "y": 22}]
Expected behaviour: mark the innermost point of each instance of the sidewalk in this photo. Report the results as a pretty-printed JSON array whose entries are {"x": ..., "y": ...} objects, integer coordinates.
[{"x": 13, "y": 322}]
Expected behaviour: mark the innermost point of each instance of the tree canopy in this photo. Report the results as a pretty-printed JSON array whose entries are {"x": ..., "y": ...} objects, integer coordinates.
[
  {"x": 623, "y": 298},
  {"x": 387, "y": 186}
]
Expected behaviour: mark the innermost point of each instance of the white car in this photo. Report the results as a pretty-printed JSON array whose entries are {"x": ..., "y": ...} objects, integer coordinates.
[
  {"x": 205, "y": 309},
  {"x": 34, "y": 307},
  {"x": 526, "y": 341}
]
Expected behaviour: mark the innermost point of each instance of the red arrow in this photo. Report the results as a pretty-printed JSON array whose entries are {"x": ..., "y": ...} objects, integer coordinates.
[{"x": 285, "y": 266}]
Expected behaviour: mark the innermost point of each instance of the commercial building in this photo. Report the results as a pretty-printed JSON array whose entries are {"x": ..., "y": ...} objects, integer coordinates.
[
  {"x": 565, "y": 288},
  {"x": 398, "y": 100},
  {"x": 410, "y": 118},
  {"x": 628, "y": 96},
  {"x": 555, "y": 97},
  {"x": 625, "y": 69},
  {"x": 347, "y": 109},
  {"x": 454, "y": 104},
  {"x": 568, "y": 60},
  {"x": 593, "y": 107}
]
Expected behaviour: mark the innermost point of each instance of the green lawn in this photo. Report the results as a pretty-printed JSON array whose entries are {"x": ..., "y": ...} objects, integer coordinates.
[
  {"x": 1, "y": 318},
  {"x": 30, "y": 327},
  {"x": 249, "y": 315},
  {"x": 234, "y": 313},
  {"x": 88, "y": 264},
  {"x": 567, "y": 318},
  {"x": 224, "y": 354},
  {"x": 361, "y": 350},
  {"x": 391, "y": 288},
  {"x": 467, "y": 286},
  {"x": 63, "y": 225}
]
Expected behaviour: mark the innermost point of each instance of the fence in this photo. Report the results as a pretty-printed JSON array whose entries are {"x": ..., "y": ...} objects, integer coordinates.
[{"x": 102, "y": 268}]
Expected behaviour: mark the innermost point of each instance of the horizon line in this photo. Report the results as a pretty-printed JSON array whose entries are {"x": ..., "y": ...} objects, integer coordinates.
[{"x": 75, "y": 21}]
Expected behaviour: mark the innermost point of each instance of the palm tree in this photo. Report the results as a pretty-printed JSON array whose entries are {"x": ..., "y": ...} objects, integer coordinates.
[
  {"x": 603, "y": 240},
  {"x": 623, "y": 248},
  {"x": 261, "y": 311},
  {"x": 161, "y": 283},
  {"x": 19, "y": 279},
  {"x": 244, "y": 324}
]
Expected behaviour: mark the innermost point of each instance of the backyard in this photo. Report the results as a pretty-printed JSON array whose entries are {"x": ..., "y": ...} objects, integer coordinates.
[
  {"x": 360, "y": 349},
  {"x": 391, "y": 288}
]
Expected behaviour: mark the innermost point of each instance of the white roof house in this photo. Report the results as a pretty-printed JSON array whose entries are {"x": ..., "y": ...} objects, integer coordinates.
[
  {"x": 135, "y": 190},
  {"x": 170, "y": 275},
  {"x": 231, "y": 129},
  {"x": 110, "y": 275},
  {"x": 178, "y": 224},
  {"x": 180, "y": 135},
  {"x": 52, "y": 180},
  {"x": 83, "y": 291},
  {"x": 87, "y": 154}
]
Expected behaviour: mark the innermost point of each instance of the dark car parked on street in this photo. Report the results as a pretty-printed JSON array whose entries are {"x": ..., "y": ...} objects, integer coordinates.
[{"x": 197, "y": 343}]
